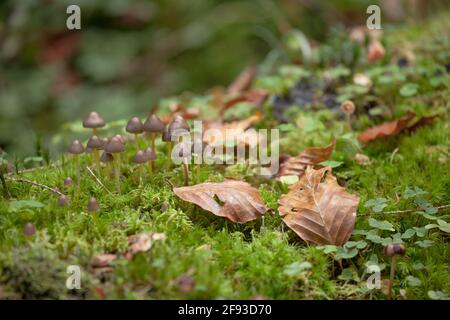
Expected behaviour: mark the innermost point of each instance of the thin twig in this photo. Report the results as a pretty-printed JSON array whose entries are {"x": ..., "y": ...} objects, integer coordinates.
[
  {"x": 403, "y": 211},
  {"x": 55, "y": 165},
  {"x": 98, "y": 180},
  {"x": 36, "y": 184}
]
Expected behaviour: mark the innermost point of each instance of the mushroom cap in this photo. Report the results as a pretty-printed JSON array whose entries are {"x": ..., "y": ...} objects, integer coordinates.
[
  {"x": 150, "y": 154},
  {"x": 394, "y": 249},
  {"x": 121, "y": 138},
  {"x": 106, "y": 157},
  {"x": 76, "y": 147},
  {"x": 29, "y": 229},
  {"x": 154, "y": 124},
  {"x": 348, "y": 107},
  {"x": 115, "y": 146},
  {"x": 68, "y": 181},
  {"x": 93, "y": 120},
  {"x": 93, "y": 205},
  {"x": 63, "y": 200},
  {"x": 178, "y": 123},
  {"x": 140, "y": 157},
  {"x": 95, "y": 142},
  {"x": 135, "y": 126}
]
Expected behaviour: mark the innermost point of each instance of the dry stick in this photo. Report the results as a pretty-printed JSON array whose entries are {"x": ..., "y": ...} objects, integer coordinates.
[
  {"x": 98, "y": 180},
  {"x": 58, "y": 165},
  {"x": 36, "y": 184},
  {"x": 403, "y": 211}
]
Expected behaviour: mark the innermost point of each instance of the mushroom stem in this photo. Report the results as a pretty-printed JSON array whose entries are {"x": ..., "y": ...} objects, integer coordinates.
[
  {"x": 136, "y": 140},
  {"x": 153, "y": 137},
  {"x": 186, "y": 171},
  {"x": 150, "y": 169},
  {"x": 391, "y": 279},
  {"x": 169, "y": 151},
  {"x": 117, "y": 171},
  {"x": 349, "y": 121},
  {"x": 94, "y": 131},
  {"x": 5, "y": 186},
  {"x": 96, "y": 155},
  {"x": 77, "y": 164},
  {"x": 141, "y": 173}
]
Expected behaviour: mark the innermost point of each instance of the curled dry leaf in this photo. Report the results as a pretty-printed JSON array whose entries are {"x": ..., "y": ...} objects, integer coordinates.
[
  {"x": 243, "y": 81},
  {"x": 386, "y": 129},
  {"x": 241, "y": 201},
  {"x": 318, "y": 210},
  {"x": 232, "y": 131},
  {"x": 143, "y": 242},
  {"x": 103, "y": 260},
  {"x": 296, "y": 166},
  {"x": 255, "y": 96},
  {"x": 375, "y": 51}
]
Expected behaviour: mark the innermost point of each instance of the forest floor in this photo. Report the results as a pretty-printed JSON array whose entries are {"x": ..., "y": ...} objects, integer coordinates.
[{"x": 402, "y": 180}]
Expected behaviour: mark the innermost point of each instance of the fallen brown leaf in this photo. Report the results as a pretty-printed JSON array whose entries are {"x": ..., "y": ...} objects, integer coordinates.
[
  {"x": 318, "y": 210},
  {"x": 235, "y": 130},
  {"x": 386, "y": 129},
  {"x": 103, "y": 260},
  {"x": 296, "y": 166},
  {"x": 242, "y": 202},
  {"x": 255, "y": 96},
  {"x": 142, "y": 242},
  {"x": 422, "y": 122},
  {"x": 243, "y": 81}
]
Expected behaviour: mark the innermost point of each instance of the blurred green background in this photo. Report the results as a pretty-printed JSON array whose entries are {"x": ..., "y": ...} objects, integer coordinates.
[{"x": 131, "y": 53}]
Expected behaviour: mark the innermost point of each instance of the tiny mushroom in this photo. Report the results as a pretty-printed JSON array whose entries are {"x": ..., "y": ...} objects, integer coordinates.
[
  {"x": 68, "y": 181},
  {"x": 348, "y": 107},
  {"x": 115, "y": 146},
  {"x": 96, "y": 144},
  {"x": 151, "y": 157},
  {"x": 135, "y": 126},
  {"x": 63, "y": 200},
  {"x": 185, "y": 154},
  {"x": 392, "y": 250},
  {"x": 140, "y": 158},
  {"x": 178, "y": 127},
  {"x": 154, "y": 125},
  {"x": 29, "y": 229},
  {"x": 76, "y": 148},
  {"x": 107, "y": 158},
  {"x": 93, "y": 121},
  {"x": 93, "y": 206}
]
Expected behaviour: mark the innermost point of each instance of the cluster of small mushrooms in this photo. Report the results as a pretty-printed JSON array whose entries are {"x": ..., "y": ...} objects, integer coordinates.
[{"x": 107, "y": 152}]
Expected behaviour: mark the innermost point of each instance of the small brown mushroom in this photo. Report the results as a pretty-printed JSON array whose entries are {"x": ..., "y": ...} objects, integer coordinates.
[
  {"x": 154, "y": 125},
  {"x": 68, "y": 181},
  {"x": 135, "y": 126},
  {"x": 76, "y": 148},
  {"x": 93, "y": 206},
  {"x": 63, "y": 200},
  {"x": 115, "y": 147},
  {"x": 151, "y": 157},
  {"x": 175, "y": 129},
  {"x": 392, "y": 250},
  {"x": 107, "y": 159},
  {"x": 96, "y": 144},
  {"x": 140, "y": 158},
  {"x": 348, "y": 107},
  {"x": 185, "y": 153},
  {"x": 29, "y": 230},
  {"x": 93, "y": 121}
]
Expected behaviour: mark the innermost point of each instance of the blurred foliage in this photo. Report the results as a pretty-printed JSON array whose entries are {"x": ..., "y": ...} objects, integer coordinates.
[{"x": 131, "y": 53}]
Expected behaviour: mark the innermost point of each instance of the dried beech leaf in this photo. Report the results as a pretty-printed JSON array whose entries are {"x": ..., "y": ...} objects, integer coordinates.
[
  {"x": 103, "y": 260},
  {"x": 296, "y": 166},
  {"x": 235, "y": 130},
  {"x": 386, "y": 129},
  {"x": 143, "y": 242},
  {"x": 243, "y": 81},
  {"x": 241, "y": 201},
  {"x": 422, "y": 122},
  {"x": 255, "y": 96},
  {"x": 318, "y": 209}
]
